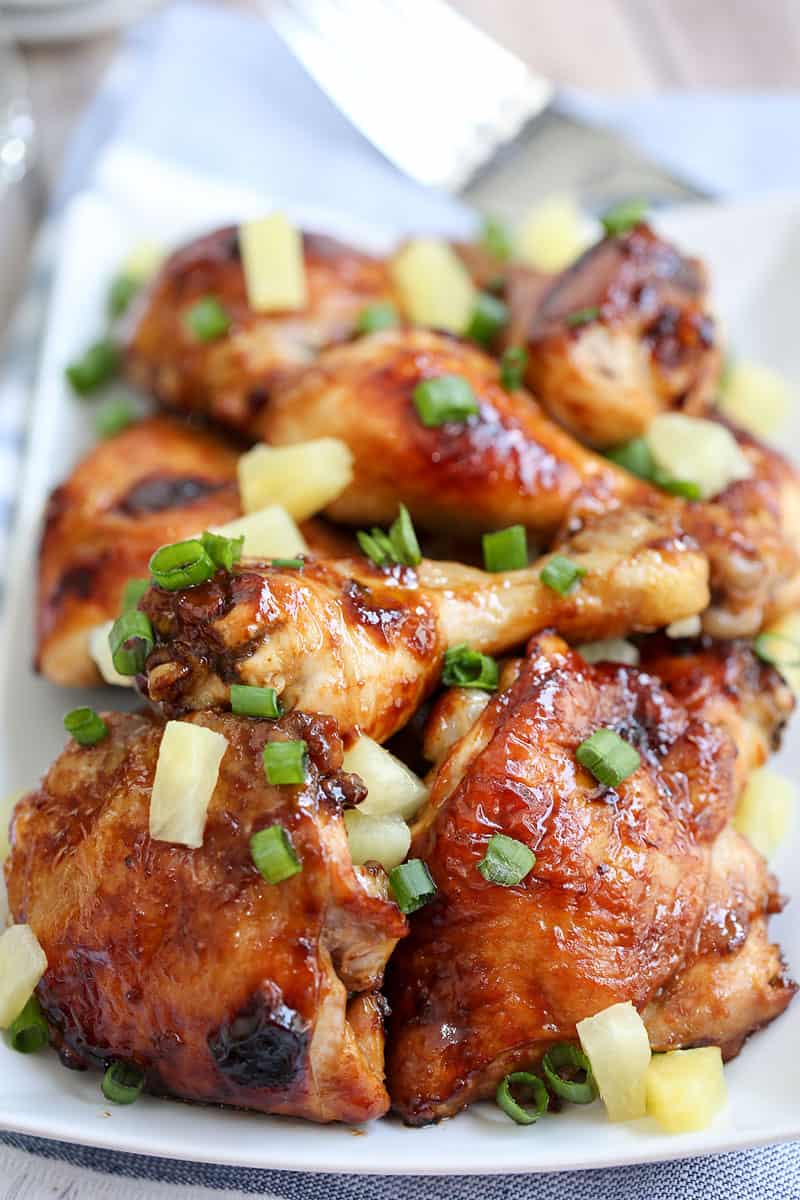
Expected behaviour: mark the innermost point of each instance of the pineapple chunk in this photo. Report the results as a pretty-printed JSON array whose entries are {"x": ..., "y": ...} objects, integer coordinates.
[
  {"x": 764, "y": 810},
  {"x": 303, "y": 478},
  {"x": 270, "y": 533},
  {"x": 273, "y": 263},
  {"x": 377, "y": 839},
  {"x": 392, "y": 788},
  {"x": 686, "y": 1088},
  {"x": 615, "y": 1042},
  {"x": 788, "y": 627},
  {"x": 610, "y": 650},
  {"x": 7, "y": 805},
  {"x": 698, "y": 451},
  {"x": 756, "y": 397},
  {"x": 186, "y": 775},
  {"x": 100, "y": 651},
  {"x": 434, "y": 286},
  {"x": 551, "y": 235},
  {"x": 22, "y": 965},
  {"x": 686, "y": 627}
]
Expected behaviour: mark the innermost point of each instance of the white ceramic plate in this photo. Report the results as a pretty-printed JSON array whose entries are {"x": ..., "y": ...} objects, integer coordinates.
[
  {"x": 754, "y": 252},
  {"x": 44, "y": 21}
]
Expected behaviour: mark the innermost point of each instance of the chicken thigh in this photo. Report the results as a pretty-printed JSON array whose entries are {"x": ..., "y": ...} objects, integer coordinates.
[{"x": 187, "y": 963}]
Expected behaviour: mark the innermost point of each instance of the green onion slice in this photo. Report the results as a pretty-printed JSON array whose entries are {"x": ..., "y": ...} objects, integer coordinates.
[
  {"x": 122, "y": 1083},
  {"x": 561, "y": 574},
  {"x": 114, "y": 416},
  {"x": 131, "y": 640},
  {"x": 777, "y": 649},
  {"x": 465, "y": 667},
  {"x": 285, "y": 762},
  {"x": 411, "y": 885},
  {"x": 399, "y": 545},
  {"x": 624, "y": 216},
  {"x": 28, "y": 1032},
  {"x": 513, "y": 364},
  {"x": 274, "y": 854},
  {"x": 686, "y": 488},
  {"x": 444, "y": 398},
  {"x": 496, "y": 239},
  {"x": 635, "y": 456},
  {"x": 505, "y": 549},
  {"x": 520, "y": 1111},
  {"x": 378, "y": 316},
  {"x": 123, "y": 289},
  {"x": 255, "y": 701},
  {"x": 506, "y": 861},
  {"x": 290, "y": 564},
  {"x": 97, "y": 365},
  {"x": 577, "y": 1091},
  {"x": 207, "y": 320},
  {"x": 132, "y": 593},
  {"x": 181, "y": 565},
  {"x": 223, "y": 551},
  {"x": 582, "y": 316},
  {"x": 608, "y": 757},
  {"x": 489, "y": 316},
  {"x": 86, "y": 726}
]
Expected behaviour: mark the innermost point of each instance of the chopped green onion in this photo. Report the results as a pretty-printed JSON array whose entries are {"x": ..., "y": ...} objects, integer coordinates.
[
  {"x": 608, "y": 757},
  {"x": 496, "y": 239},
  {"x": 582, "y": 316},
  {"x": 123, "y": 288},
  {"x": 273, "y": 852},
  {"x": 577, "y": 1091},
  {"x": 506, "y": 549},
  {"x": 399, "y": 545},
  {"x": 523, "y": 1114},
  {"x": 635, "y": 456},
  {"x": 373, "y": 547},
  {"x": 561, "y": 574},
  {"x": 255, "y": 701},
  {"x": 624, "y": 216},
  {"x": 506, "y": 861},
  {"x": 99, "y": 364},
  {"x": 465, "y": 667},
  {"x": 290, "y": 564},
  {"x": 444, "y": 398},
  {"x": 86, "y": 726},
  {"x": 777, "y": 650},
  {"x": 28, "y": 1032},
  {"x": 114, "y": 416},
  {"x": 207, "y": 320},
  {"x": 686, "y": 488},
  {"x": 131, "y": 640},
  {"x": 132, "y": 593},
  {"x": 378, "y": 316},
  {"x": 122, "y": 1083},
  {"x": 513, "y": 364},
  {"x": 181, "y": 565},
  {"x": 489, "y": 316},
  {"x": 223, "y": 551},
  {"x": 411, "y": 885},
  {"x": 285, "y": 762}
]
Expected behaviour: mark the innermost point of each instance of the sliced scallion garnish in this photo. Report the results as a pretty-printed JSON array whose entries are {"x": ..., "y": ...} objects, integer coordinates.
[
  {"x": 623, "y": 216},
  {"x": 273, "y": 852},
  {"x": 444, "y": 398},
  {"x": 506, "y": 861},
  {"x": 285, "y": 762},
  {"x": 223, "y": 551},
  {"x": 496, "y": 239},
  {"x": 132, "y": 593},
  {"x": 98, "y": 364},
  {"x": 114, "y": 416},
  {"x": 489, "y": 316},
  {"x": 411, "y": 885},
  {"x": 777, "y": 649},
  {"x": 609, "y": 758},
  {"x": 561, "y": 574},
  {"x": 576, "y": 1090},
  {"x": 513, "y": 364},
  {"x": 123, "y": 288},
  {"x": 249, "y": 701},
  {"x": 207, "y": 320},
  {"x": 290, "y": 564},
  {"x": 122, "y": 1083},
  {"x": 28, "y": 1032},
  {"x": 505, "y": 549},
  {"x": 635, "y": 456},
  {"x": 131, "y": 640},
  {"x": 521, "y": 1112},
  {"x": 582, "y": 316},
  {"x": 86, "y": 726},
  {"x": 465, "y": 667},
  {"x": 181, "y": 565},
  {"x": 377, "y": 316},
  {"x": 399, "y": 545}
]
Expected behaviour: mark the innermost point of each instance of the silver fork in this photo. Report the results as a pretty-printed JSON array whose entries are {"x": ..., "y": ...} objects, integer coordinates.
[{"x": 454, "y": 110}]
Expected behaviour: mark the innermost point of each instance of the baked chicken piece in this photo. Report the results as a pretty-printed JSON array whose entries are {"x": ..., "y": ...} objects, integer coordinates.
[
  {"x": 219, "y": 986},
  {"x": 510, "y": 463},
  {"x": 229, "y": 378},
  {"x": 157, "y": 482},
  {"x": 634, "y": 891},
  {"x": 366, "y": 644},
  {"x": 622, "y": 335}
]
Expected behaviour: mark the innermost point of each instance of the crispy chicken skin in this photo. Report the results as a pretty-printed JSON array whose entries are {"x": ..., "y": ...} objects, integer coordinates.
[
  {"x": 510, "y": 463},
  {"x": 187, "y": 963},
  {"x": 631, "y": 888},
  {"x": 365, "y": 644},
  {"x": 651, "y": 345},
  {"x": 230, "y": 378}
]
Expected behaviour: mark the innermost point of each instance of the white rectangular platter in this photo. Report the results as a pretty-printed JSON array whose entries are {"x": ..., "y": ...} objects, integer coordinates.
[{"x": 753, "y": 250}]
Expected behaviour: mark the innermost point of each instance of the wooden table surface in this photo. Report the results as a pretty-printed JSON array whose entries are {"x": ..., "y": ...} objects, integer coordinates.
[{"x": 614, "y": 45}]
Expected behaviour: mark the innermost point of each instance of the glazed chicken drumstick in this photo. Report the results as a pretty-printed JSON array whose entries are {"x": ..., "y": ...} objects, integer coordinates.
[
  {"x": 186, "y": 963},
  {"x": 508, "y": 462},
  {"x": 366, "y": 644},
  {"x": 638, "y": 892}
]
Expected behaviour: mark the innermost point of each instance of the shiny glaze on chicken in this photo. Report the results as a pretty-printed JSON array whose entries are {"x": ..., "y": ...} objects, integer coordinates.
[
  {"x": 231, "y": 377},
  {"x": 627, "y": 896},
  {"x": 220, "y": 986},
  {"x": 365, "y": 644},
  {"x": 648, "y": 342}
]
